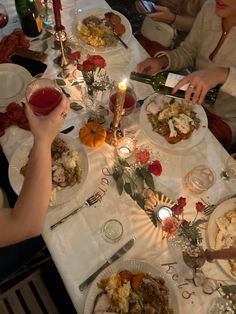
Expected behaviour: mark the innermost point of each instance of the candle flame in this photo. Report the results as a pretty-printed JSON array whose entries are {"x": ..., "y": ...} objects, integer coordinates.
[{"x": 122, "y": 85}]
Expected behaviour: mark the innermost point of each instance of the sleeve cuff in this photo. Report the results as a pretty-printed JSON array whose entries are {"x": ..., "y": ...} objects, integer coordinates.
[{"x": 230, "y": 83}]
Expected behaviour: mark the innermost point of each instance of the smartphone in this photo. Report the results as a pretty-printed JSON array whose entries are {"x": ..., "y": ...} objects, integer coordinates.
[
  {"x": 148, "y": 6},
  {"x": 33, "y": 66}
]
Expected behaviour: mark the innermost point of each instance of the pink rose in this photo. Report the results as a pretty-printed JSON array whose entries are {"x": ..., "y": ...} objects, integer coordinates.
[
  {"x": 170, "y": 225},
  {"x": 155, "y": 168},
  {"x": 142, "y": 156},
  {"x": 200, "y": 207},
  {"x": 74, "y": 56}
]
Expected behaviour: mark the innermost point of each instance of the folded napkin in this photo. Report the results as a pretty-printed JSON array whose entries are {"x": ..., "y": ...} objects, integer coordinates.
[{"x": 14, "y": 115}]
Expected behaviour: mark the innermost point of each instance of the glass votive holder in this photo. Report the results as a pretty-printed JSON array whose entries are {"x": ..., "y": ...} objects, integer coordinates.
[
  {"x": 112, "y": 230},
  {"x": 199, "y": 179},
  {"x": 126, "y": 146}
]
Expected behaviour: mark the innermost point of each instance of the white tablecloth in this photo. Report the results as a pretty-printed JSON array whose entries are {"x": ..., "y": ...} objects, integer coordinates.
[{"x": 76, "y": 246}]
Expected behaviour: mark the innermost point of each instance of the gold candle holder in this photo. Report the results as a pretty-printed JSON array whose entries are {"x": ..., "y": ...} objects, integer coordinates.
[
  {"x": 61, "y": 37},
  {"x": 114, "y": 133}
]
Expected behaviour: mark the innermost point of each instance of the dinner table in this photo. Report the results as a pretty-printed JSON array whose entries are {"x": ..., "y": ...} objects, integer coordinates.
[{"x": 77, "y": 246}]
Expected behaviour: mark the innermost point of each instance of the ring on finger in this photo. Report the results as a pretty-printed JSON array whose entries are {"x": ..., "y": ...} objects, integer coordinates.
[{"x": 191, "y": 86}]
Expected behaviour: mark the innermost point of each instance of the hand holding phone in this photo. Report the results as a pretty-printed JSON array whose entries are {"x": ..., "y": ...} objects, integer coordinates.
[{"x": 144, "y": 6}]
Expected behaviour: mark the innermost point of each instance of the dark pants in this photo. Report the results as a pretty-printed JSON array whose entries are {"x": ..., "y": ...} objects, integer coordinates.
[{"x": 14, "y": 256}]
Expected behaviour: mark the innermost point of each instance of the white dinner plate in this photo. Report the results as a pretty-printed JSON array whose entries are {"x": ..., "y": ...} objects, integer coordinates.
[
  {"x": 99, "y": 12},
  {"x": 134, "y": 266},
  {"x": 212, "y": 230},
  {"x": 20, "y": 158},
  {"x": 183, "y": 145},
  {"x": 14, "y": 79}
]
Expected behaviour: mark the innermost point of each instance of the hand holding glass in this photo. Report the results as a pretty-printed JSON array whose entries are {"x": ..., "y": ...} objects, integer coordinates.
[
  {"x": 43, "y": 95},
  {"x": 230, "y": 168}
]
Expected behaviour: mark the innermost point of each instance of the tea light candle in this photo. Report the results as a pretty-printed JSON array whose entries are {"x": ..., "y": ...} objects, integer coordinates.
[
  {"x": 164, "y": 212},
  {"x": 126, "y": 146}
]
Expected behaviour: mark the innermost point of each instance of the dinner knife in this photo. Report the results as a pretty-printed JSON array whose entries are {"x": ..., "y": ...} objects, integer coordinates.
[
  {"x": 127, "y": 246},
  {"x": 120, "y": 40}
]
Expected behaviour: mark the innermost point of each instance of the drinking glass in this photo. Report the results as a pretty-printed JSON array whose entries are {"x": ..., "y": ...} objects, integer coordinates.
[
  {"x": 46, "y": 13},
  {"x": 199, "y": 179},
  {"x": 3, "y": 19},
  {"x": 130, "y": 100},
  {"x": 43, "y": 95},
  {"x": 230, "y": 168},
  {"x": 112, "y": 230}
]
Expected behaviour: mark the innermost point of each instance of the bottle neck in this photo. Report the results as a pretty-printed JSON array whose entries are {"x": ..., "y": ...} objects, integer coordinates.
[{"x": 140, "y": 77}]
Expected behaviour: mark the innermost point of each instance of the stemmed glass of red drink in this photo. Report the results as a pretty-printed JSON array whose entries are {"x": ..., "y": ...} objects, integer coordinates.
[{"x": 43, "y": 95}]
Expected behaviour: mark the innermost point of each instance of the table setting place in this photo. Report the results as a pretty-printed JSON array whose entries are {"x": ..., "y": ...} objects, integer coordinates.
[{"x": 142, "y": 216}]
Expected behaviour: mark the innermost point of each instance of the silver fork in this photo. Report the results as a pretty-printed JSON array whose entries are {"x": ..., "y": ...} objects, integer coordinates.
[
  {"x": 208, "y": 210},
  {"x": 89, "y": 202}
]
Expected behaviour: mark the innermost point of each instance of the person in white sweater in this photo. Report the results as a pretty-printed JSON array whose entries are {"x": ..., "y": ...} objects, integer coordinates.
[{"x": 209, "y": 48}]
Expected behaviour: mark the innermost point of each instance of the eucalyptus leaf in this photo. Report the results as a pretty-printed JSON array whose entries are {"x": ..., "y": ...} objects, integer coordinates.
[
  {"x": 61, "y": 82},
  {"x": 140, "y": 200},
  {"x": 44, "y": 46},
  {"x": 35, "y": 39},
  {"x": 75, "y": 83},
  {"x": 120, "y": 185},
  {"x": 128, "y": 189},
  {"x": 46, "y": 35},
  {"x": 199, "y": 222},
  {"x": 123, "y": 162},
  {"x": 229, "y": 289},
  {"x": 75, "y": 106},
  {"x": 65, "y": 92},
  {"x": 148, "y": 178}
]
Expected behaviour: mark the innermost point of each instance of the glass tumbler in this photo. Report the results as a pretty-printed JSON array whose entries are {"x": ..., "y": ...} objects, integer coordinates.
[
  {"x": 199, "y": 179},
  {"x": 112, "y": 230}
]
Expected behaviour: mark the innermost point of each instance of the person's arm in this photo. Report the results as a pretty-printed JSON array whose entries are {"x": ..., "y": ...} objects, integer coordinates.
[
  {"x": 26, "y": 219},
  {"x": 229, "y": 253}
]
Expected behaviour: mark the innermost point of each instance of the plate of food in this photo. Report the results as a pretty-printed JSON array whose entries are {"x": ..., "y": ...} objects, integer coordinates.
[
  {"x": 14, "y": 79},
  {"x": 221, "y": 232},
  {"x": 98, "y": 29},
  {"x": 131, "y": 286},
  {"x": 69, "y": 168},
  {"x": 172, "y": 123}
]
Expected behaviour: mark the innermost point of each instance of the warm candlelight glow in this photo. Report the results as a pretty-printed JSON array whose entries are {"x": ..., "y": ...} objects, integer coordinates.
[
  {"x": 122, "y": 86},
  {"x": 126, "y": 146},
  {"x": 164, "y": 212}
]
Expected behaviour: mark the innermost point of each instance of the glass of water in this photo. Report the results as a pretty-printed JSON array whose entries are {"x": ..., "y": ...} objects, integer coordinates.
[
  {"x": 112, "y": 230},
  {"x": 230, "y": 168}
]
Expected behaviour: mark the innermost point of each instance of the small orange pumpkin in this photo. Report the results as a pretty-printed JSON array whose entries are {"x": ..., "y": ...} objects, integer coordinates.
[{"x": 92, "y": 134}]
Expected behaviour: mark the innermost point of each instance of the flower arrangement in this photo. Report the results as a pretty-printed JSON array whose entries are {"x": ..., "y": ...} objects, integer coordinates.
[
  {"x": 135, "y": 177},
  {"x": 183, "y": 233},
  {"x": 92, "y": 69}
]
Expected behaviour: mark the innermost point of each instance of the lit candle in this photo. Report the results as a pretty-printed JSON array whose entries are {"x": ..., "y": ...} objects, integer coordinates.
[
  {"x": 57, "y": 14},
  {"x": 164, "y": 212},
  {"x": 120, "y": 99},
  {"x": 126, "y": 146}
]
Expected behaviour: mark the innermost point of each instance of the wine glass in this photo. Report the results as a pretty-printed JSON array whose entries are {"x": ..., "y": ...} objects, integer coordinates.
[
  {"x": 43, "y": 95},
  {"x": 3, "y": 18},
  {"x": 230, "y": 168}
]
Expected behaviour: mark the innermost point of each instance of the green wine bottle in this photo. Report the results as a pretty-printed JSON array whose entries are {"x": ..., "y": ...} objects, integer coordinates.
[
  {"x": 29, "y": 18},
  {"x": 164, "y": 82}
]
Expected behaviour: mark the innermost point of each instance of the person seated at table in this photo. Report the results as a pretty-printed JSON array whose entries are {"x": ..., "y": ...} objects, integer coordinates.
[
  {"x": 25, "y": 220},
  {"x": 210, "y": 48},
  {"x": 178, "y": 17}
]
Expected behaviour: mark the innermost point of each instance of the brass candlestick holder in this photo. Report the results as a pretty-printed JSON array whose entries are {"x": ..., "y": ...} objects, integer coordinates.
[
  {"x": 61, "y": 37},
  {"x": 115, "y": 133}
]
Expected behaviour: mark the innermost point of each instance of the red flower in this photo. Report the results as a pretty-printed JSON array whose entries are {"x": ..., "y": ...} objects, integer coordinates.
[
  {"x": 74, "y": 56},
  {"x": 181, "y": 201},
  {"x": 170, "y": 225},
  {"x": 177, "y": 209},
  {"x": 79, "y": 66},
  {"x": 97, "y": 60},
  {"x": 184, "y": 222},
  {"x": 155, "y": 168},
  {"x": 142, "y": 156},
  {"x": 200, "y": 207},
  {"x": 87, "y": 65}
]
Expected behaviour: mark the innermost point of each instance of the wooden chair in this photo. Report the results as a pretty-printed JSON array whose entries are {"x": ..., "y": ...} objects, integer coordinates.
[{"x": 29, "y": 296}]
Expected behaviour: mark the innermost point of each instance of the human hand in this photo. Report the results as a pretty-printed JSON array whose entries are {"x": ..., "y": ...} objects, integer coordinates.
[
  {"x": 200, "y": 82},
  {"x": 163, "y": 14},
  {"x": 149, "y": 66},
  {"x": 45, "y": 128}
]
